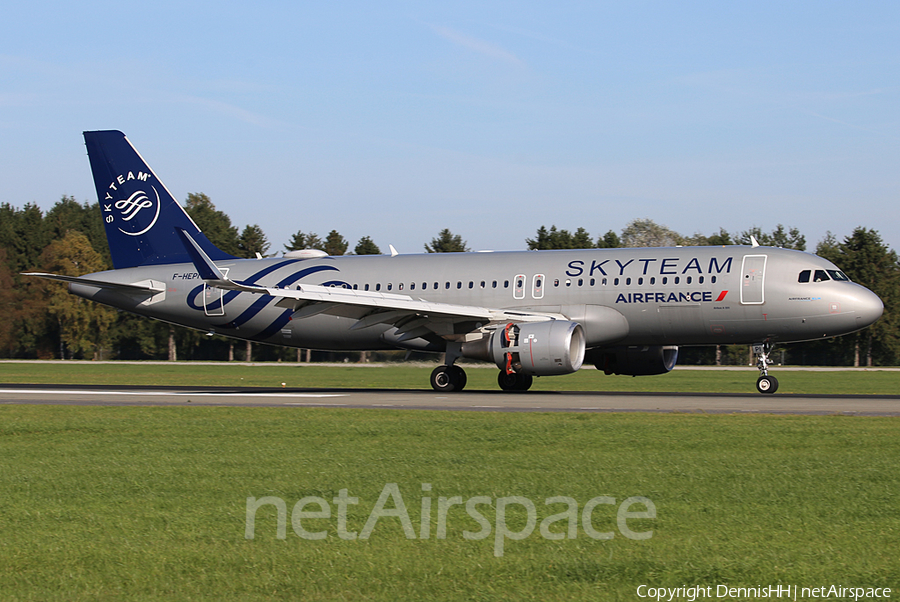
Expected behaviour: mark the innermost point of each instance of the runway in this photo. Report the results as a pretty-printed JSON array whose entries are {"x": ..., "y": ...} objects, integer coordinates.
[{"x": 497, "y": 401}]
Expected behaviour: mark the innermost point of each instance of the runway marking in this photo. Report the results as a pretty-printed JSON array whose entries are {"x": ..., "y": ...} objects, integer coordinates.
[
  {"x": 312, "y": 403},
  {"x": 167, "y": 393}
]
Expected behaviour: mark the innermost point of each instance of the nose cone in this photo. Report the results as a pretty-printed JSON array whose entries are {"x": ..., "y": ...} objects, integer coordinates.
[{"x": 868, "y": 307}]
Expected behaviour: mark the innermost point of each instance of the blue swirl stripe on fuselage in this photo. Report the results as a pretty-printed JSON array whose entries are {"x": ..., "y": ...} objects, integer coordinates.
[{"x": 261, "y": 303}]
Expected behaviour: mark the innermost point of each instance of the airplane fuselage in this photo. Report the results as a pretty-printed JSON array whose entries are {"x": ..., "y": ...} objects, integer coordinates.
[{"x": 667, "y": 296}]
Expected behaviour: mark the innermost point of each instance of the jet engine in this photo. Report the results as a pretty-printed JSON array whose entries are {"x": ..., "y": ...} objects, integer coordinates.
[
  {"x": 635, "y": 361},
  {"x": 536, "y": 348}
]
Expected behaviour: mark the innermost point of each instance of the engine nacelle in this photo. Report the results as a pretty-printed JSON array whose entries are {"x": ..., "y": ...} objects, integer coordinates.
[
  {"x": 536, "y": 348},
  {"x": 635, "y": 361}
]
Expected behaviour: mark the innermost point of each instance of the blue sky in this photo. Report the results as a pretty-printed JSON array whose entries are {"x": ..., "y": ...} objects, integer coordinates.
[{"x": 395, "y": 120}]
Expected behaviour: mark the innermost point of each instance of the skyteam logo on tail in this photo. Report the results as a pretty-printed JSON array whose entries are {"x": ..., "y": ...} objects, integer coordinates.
[{"x": 135, "y": 214}]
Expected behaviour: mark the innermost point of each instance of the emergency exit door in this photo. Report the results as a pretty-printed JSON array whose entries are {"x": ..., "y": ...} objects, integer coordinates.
[{"x": 753, "y": 272}]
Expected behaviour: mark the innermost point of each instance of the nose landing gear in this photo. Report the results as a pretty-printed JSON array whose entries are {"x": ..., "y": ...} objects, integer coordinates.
[{"x": 765, "y": 383}]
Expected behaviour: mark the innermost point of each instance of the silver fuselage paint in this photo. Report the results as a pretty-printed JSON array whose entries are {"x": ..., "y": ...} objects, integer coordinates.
[{"x": 667, "y": 296}]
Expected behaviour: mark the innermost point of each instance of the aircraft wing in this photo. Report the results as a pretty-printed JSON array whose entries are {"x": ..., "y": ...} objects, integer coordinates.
[{"x": 412, "y": 317}]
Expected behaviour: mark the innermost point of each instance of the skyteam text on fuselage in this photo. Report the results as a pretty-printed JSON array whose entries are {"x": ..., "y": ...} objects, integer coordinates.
[{"x": 532, "y": 313}]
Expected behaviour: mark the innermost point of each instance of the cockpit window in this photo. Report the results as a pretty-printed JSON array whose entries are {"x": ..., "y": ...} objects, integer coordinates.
[{"x": 822, "y": 276}]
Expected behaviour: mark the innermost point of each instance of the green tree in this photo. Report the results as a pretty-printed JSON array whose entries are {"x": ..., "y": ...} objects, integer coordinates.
[
  {"x": 22, "y": 234},
  {"x": 365, "y": 246},
  {"x": 252, "y": 241},
  {"x": 83, "y": 324},
  {"x": 718, "y": 239},
  {"x": 791, "y": 239},
  {"x": 582, "y": 240},
  {"x": 68, "y": 214},
  {"x": 447, "y": 242},
  {"x": 559, "y": 239},
  {"x": 647, "y": 233},
  {"x": 301, "y": 240},
  {"x": 610, "y": 240},
  {"x": 8, "y": 308},
  {"x": 335, "y": 244},
  {"x": 213, "y": 223}
]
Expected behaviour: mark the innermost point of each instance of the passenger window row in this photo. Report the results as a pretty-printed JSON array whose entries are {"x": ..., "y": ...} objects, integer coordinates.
[
  {"x": 651, "y": 281},
  {"x": 435, "y": 286},
  {"x": 641, "y": 281}
]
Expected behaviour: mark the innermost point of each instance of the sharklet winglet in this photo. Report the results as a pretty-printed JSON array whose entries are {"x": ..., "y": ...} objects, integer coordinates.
[{"x": 205, "y": 266}]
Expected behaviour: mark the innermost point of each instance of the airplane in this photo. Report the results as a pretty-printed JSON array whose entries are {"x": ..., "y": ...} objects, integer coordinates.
[{"x": 531, "y": 313}]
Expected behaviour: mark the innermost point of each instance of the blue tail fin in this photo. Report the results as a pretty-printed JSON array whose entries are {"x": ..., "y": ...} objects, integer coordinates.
[{"x": 140, "y": 214}]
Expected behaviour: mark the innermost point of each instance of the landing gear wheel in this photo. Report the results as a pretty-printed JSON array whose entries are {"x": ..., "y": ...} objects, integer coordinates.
[
  {"x": 767, "y": 384},
  {"x": 516, "y": 381},
  {"x": 507, "y": 381},
  {"x": 446, "y": 379},
  {"x": 458, "y": 375}
]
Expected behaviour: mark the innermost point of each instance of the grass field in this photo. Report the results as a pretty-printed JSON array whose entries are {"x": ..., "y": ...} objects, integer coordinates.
[
  {"x": 402, "y": 376},
  {"x": 130, "y": 503},
  {"x": 112, "y": 503}
]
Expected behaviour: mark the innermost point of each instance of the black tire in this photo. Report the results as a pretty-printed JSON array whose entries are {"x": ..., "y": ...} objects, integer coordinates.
[
  {"x": 517, "y": 381},
  {"x": 767, "y": 385},
  {"x": 506, "y": 381},
  {"x": 442, "y": 379},
  {"x": 458, "y": 376},
  {"x": 525, "y": 382}
]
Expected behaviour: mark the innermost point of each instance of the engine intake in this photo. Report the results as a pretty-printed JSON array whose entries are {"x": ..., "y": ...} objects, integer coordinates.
[{"x": 536, "y": 348}]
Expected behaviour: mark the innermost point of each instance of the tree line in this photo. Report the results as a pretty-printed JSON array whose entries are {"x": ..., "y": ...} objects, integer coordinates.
[{"x": 41, "y": 320}]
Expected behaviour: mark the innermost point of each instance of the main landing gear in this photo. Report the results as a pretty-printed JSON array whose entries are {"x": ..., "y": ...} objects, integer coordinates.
[
  {"x": 765, "y": 383},
  {"x": 449, "y": 377},
  {"x": 446, "y": 379}
]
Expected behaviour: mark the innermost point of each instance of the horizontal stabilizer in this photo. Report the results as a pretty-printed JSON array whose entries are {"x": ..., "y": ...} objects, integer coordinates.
[{"x": 145, "y": 286}]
